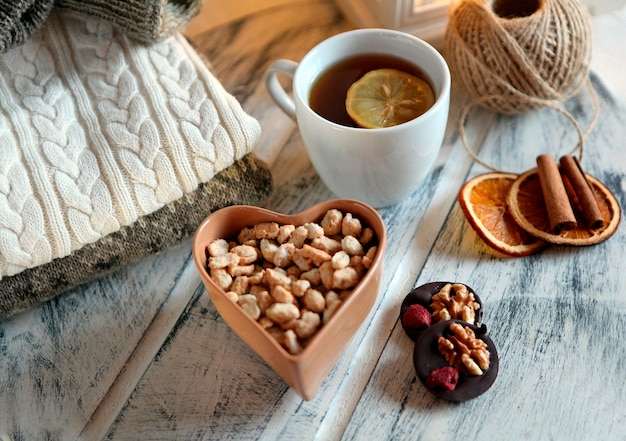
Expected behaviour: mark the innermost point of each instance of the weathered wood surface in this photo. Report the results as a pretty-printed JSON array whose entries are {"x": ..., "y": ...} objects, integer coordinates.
[{"x": 142, "y": 354}]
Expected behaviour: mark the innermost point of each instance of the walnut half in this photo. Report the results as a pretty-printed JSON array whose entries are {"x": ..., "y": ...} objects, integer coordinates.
[
  {"x": 454, "y": 302},
  {"x": 464, "y": 351}
]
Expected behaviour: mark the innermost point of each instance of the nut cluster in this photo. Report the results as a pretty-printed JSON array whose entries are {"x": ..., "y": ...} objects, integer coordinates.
[
  {"x": 454, "y": 301},
  {"x": 464, "y": 351},
  {"x": 292, "y": 279}
]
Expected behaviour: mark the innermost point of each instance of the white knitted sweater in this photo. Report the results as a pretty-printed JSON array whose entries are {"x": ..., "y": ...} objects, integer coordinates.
[{"x": 97, "y": 130}]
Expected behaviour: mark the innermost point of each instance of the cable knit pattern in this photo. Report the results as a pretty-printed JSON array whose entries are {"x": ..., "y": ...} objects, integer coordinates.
[
  {"x": 97, "y": 131},
  {"x": 21, "y": 218}
]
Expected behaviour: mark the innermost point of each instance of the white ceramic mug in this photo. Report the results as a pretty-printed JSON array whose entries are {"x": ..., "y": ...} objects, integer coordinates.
[{"x": 377, "y": 166}]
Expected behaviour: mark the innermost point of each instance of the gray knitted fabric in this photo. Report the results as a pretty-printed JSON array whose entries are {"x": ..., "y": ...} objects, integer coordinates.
[
  {"x": 143, "y": 20},
  {"x": 248, "y": 181},
  {"x": 20, "y": 18}
]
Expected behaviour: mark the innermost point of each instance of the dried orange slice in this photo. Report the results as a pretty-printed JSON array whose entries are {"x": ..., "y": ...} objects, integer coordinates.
[
  {"x": 483, "y": 200},
  {"x": 528, "y": 208},
  {"x": 388, "y": 97}
]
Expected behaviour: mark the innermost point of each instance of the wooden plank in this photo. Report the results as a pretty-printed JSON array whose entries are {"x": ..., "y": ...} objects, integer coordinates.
[
  {"x": 59, "y": 359},
  {"x": 147, "y": 348}
]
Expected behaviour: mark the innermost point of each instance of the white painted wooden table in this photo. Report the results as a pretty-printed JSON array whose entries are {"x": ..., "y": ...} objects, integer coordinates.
[{"x": 142, "y": 354}]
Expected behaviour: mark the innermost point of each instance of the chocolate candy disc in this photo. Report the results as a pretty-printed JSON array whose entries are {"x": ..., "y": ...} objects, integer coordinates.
[
  {"x": 426, "y": 358},
  {"x": 422, "y": 295}
]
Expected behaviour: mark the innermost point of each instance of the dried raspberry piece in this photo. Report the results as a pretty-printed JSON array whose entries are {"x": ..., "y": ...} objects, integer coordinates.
[
  {"x": 416, "y": 316},
  {"x": 445, "y": 378}
]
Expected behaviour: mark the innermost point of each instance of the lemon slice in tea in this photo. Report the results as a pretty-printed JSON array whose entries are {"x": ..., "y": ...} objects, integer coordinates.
[{"x": 388, "y": 97}]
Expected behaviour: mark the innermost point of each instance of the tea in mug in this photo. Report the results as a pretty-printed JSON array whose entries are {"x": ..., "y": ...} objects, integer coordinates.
[{"x": 367, "y": 74}]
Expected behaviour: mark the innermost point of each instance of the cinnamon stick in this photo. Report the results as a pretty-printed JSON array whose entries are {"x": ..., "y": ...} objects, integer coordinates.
[
  {"x": 560, "y": 211},
  {"x": 588, "y": 203}
]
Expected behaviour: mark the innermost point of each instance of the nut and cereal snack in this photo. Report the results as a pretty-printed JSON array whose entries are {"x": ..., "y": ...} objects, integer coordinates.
[
  {"x": 454, "y": 358},
  {"x": 291, "y": 279},
  {"x": 442, "y": 301},
  {"x": 456, "y": 361}
]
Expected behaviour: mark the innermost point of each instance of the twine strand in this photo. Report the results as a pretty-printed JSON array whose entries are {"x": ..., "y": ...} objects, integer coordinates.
[
  {"x": 555, "y": 105},
  {"x": 512, "y": 56}
]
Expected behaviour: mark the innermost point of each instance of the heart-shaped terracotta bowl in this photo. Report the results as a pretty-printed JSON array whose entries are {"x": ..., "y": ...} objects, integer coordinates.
[{"x": 304, "y": 371}]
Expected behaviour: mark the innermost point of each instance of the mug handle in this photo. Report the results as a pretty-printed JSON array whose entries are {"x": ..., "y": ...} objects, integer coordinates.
[{"x": 276, "y": 91}]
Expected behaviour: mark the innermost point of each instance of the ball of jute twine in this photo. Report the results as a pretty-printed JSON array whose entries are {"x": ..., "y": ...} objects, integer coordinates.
[{"x": 514, "y": 56}]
